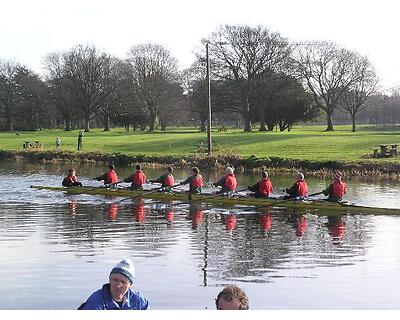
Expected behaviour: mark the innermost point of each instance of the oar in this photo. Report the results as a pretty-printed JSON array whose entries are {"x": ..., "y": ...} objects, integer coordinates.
[
  {"x": 151, "y": 191},
  {"x": 108, "y": 185}
]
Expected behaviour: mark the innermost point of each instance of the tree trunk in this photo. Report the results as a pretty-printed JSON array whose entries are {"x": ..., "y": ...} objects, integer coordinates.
[
  {"x": 9, "y": 123},
  {"x": 329, "y": 119},
  {"x": 247, "y": 116},
  {"x": 152, "y": 121},
  {"x": 353, "y": 118},
  {"x": 106, "y": 123},
  {"x": 262, "y": 120},
  {"x": 87, "y": 127},
  {"x": 67, "y": 119},
  {"x": 163, "y": 126}
]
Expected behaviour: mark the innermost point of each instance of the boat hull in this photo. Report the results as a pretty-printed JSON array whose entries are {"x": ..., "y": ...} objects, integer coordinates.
[{"x": 320, "y": 207}]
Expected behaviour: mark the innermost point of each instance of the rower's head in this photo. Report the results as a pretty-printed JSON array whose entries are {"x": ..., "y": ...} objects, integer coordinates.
[
  {"x": 169, "y": 169},
  {"x": 337, "y": 175},
  {"x": 232, "y": 298},
  {"x": 121, "y": 278},
  {"x": 229, "y": 170},
  {"x": 264, "y": 175},
  {"x": 195, "y": 170},
  {"x": 71, "y": 172},
  {"x": 138, "y": 167},
  {"x": 300, "y": 176},
  {"x": 111, "y": 167}
]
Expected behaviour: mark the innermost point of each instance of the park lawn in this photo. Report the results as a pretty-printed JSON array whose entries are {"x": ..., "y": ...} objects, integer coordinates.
[{"x": 303, "y": 142}]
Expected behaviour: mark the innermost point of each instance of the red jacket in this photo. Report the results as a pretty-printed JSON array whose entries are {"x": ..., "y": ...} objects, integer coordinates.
[
  {"x": 71, "y": 179},
  {"x": 138, "y": 178},
  {"x": 169, "y": 181},
  {"x": 197, "y": 181},
  {"x": 264, "y": 187},
  {"x": 111, "y": 177},
  {"x": 302, "y": 189},
  {"x": 339, "y": 188},
  {"x": 230, "y": 182}
]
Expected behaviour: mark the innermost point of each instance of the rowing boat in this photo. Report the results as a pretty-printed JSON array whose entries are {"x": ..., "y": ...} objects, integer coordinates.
[{"x": 319, "y": 206}]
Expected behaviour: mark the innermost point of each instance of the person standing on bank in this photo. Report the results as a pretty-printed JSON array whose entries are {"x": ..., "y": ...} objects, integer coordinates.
[
  {"x": 118, "y": 293},
  {"x": 110, "y": 177},
  {"x": 195, "y": 182},
  {"x": 262, "y": 188},
  {"x": 137, "y": 179},
  {"x": 337, "y": 189},
  {"x": 58, "y": 142},
  {"x": 299, "y": 188},
  {"x": 80, "y": 140},
  {"x": 227, "y": 182}
]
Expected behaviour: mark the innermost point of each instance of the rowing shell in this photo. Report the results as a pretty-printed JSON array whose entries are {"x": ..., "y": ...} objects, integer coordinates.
[{"x": 317, "y": 205}]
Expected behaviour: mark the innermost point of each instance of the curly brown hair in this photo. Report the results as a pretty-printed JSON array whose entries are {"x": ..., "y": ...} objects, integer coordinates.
[{"x": 231, "y": 292}]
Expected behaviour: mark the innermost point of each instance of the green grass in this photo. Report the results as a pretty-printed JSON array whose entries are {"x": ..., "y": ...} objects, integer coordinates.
[{"x": 303, "y": 142}]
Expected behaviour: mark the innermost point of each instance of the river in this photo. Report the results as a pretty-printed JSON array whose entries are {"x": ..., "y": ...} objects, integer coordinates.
[{"x": 56, "y": 249}]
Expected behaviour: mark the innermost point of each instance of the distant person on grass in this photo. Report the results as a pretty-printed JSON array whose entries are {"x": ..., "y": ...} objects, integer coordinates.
[
  {"x": 263, "y": 188},
  {"x": 80, "y": 140},
  {"x": 195, "y": 182},
  {"x": 110, "y": 177},
  {"x": 71, "y": 180},
  {"x": 137, "y": 179},
  {"x": 117, "y": 294},
  {"x": 167, "y": 179},
  {"x": 232, "y": 298},
  {"x": 58, "y": 142},
  {"x": 337, "y": 189}
]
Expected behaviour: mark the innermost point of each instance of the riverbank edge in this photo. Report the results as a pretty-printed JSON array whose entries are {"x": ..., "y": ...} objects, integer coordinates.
[{"x": 241, "y": 164}]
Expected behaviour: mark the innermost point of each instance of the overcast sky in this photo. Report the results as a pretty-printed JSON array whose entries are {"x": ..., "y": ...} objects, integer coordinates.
[{"x": 30, "y": 29}]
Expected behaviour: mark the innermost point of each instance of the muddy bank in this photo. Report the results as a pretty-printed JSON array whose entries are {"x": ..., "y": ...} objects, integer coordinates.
[{"x": 359, "y": 168}]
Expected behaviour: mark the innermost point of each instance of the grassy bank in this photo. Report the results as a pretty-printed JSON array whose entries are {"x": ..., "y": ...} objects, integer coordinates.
[{"x": 306, "y": 146}]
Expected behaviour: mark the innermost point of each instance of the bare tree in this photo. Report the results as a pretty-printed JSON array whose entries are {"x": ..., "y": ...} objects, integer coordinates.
[
  {"x": 240, "y": 54},
  {"x": 86, "y": 75},
  {"x": 154, "y": 76},
  {"x": 328, "y": 71},
  {"x": 356, "y": 97},
  {"x": 10, "y": 93}
]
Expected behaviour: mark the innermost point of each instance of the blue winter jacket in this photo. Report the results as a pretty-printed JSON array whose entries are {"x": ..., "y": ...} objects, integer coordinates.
[{"x": 101, "y": 300}]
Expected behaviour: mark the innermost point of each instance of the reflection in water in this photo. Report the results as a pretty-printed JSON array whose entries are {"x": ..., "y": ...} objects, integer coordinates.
[
  {"x": 139, "y": 211},
  {"x": 196, "y": 215},
  {"x": 72, "y": 205},
  {"x": 230, "y": 222},
  {"x": 169, "y": 215},
  {"x": 337, "y": 227},
  {"x": 112, "y": 211},
  {"x": 266, "y": 220},
  {"x": 299, "y": 223}
]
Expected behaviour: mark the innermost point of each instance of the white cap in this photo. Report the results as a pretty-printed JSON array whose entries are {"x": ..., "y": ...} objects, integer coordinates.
[
  {"x": 126, "y": 268},
  {"x": 229, "y": 170},
  {"x": 300, "y": 176}
]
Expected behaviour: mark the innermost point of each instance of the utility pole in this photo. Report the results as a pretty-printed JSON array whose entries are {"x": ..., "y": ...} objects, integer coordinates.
[{"x": 209, "y": 141}]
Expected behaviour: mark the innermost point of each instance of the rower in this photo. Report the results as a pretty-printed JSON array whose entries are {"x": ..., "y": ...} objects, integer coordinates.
[
  {"x": 110, "y": 177},
  {"x": 195, "y": 182},
  {"x": 299, "y": 188},
  {"x": 167, "y": 179},
  {"x": 337, "y": 189},
  {"x": 262, "y": 188},
  {"x": 227, "y": 182},
  {"x": 71, "y": 180},
  {"x": 137, "y": 179}
]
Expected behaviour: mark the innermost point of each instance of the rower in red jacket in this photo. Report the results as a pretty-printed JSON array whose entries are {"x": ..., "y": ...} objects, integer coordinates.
[
  {"x": 299, "y": 188},
  {"x": 227, "y": 182},
  {"x": 167, "y": 179},
  {"x": 110, "y": 177},
  {"x": 195, "y": 182},
  {"x": 71, "y": 180},
  {"x": 262, "y": 188},
  {"x": 337, "y": 189},
  {"x": 137, "y": 179}
]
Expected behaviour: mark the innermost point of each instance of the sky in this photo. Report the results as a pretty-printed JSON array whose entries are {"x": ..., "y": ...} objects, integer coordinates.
[{"x": 31, "y": 29}]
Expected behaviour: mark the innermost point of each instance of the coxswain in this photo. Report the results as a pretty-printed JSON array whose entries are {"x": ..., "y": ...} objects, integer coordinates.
[
  {"x": 71, "y": 180},
  {"x": 167, "y": 179},
  {"x": 227, "y": 182},
  {"x": 137, "y": 179},
  {"x": 110, "y": 177},
  {"x": 263, "y": 188},
  {"x": 299, "y": 188},
  {"x": 195, "y": 182},
  {"x": 337, "y": 189}
]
